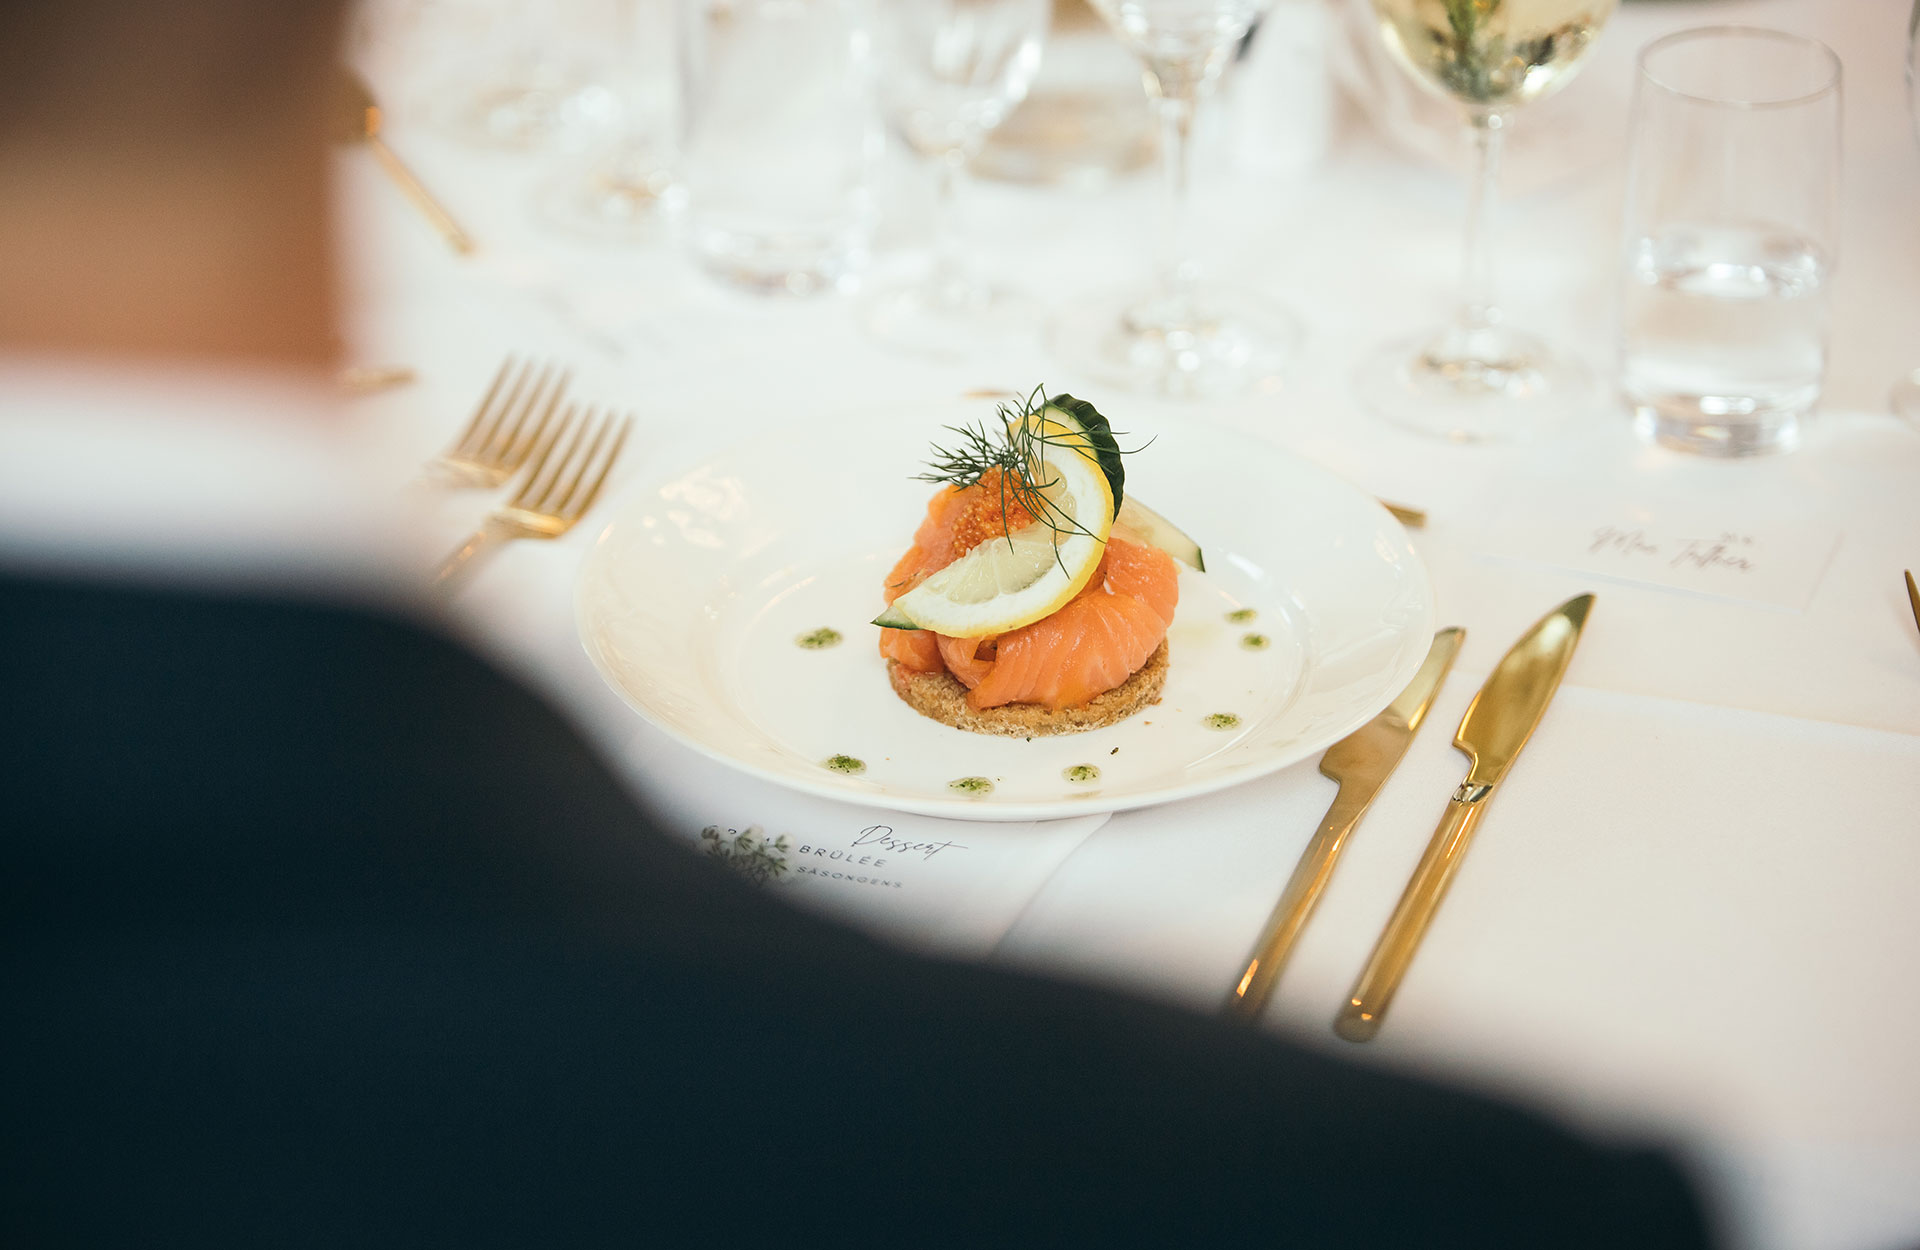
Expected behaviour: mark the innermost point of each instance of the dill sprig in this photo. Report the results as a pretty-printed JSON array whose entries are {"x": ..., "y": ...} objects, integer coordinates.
[{"x": 1018, "y": 448}]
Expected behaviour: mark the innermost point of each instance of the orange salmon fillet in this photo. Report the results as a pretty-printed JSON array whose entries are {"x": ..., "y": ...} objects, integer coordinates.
[{"x": 1093, "y": 644}]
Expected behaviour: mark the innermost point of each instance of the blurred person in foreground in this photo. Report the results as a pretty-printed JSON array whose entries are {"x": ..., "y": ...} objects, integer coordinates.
[{"x": 320, "y": 931}]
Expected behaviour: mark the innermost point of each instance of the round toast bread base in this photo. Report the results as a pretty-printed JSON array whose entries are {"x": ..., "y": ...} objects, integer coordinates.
[{"x": 942, "y": 697}]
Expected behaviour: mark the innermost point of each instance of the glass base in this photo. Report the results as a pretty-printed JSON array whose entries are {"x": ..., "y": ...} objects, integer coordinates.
[
  {"x": 1905, "y": 400},
  {"x": 1487, "y": 385},
  {"x": 949, "y": 318},
  {"x": 615, "y": 201},
  {"x": 1724, "y": 437},
  {"x": 771, "y": 260},
  {"x": 509, "y": 116},
  {"x": 1205, "y": 342}
]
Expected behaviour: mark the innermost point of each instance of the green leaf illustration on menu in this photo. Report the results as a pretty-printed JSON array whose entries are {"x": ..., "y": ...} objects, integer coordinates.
[{"x": 748, "y": 852}]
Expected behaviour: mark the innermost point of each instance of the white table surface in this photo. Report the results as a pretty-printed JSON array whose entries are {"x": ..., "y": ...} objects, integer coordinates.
[{"x": 1692, "y": 912}]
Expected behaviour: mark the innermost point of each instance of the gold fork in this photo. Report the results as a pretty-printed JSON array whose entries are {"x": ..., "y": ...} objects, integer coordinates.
[
  {"x": 561, "y": 484},
  {"x": 505, "y": 427}
]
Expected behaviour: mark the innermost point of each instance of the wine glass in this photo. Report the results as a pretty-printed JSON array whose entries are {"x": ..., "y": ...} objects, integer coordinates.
[
  {"x": 948, "y": 72},
  {"x": 1476, "y": 379},
  {"x": 1906, "y": 392},
  {"x": 1184, "y": 337}
]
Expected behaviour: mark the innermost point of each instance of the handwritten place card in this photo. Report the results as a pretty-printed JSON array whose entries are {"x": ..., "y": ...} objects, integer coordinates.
[{"x": 1774, "y": 561}]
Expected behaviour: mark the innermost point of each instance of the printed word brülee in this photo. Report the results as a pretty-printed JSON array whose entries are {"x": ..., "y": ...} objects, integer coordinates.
[{"x": 864, "y": 861}]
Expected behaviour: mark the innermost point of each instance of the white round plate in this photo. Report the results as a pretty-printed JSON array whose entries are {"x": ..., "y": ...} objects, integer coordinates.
[{"x": 692, "y": 601}]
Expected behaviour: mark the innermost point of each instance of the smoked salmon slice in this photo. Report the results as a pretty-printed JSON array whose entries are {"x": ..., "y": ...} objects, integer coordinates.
[{"x": 1099, "y": 639}]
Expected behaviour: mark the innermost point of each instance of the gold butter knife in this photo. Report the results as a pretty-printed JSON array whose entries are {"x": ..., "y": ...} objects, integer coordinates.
[
  {"x": 1361, "y": 762},
  {"x": 1497, "y": 725},
  {"x": 1913, "y": 597}
]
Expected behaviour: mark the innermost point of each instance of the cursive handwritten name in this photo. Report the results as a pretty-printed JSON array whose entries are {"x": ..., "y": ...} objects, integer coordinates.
[
  {"x": 1714, "y": 553},
  {"x": 882, "y": 836},
  {"x": 1610, "y": 538},
  {"x": 1725, "y": 551}
]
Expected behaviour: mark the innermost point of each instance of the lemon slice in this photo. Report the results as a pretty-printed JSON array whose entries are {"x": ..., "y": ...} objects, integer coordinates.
[{"x": 1006, "y": 583}]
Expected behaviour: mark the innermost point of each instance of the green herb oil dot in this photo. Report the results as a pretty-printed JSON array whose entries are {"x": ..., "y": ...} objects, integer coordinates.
[
  {"x": 1241, "y": 616},
  {"x": 846, "y": 764},
  {"x": 1082, "y": 773},
  {"x": 971, "y": 785},
  {"x": 1223, "y": 720},
  {"x": 819, "y": 640},
  {"x": 1256, "y": 642}
]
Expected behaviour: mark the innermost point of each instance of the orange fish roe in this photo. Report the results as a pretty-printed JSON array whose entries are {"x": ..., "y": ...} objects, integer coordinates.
[{"x": 981, "y": 517}]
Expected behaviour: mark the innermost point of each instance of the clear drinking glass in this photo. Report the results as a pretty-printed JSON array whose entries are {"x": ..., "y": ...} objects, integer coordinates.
[
  {"x": 1906, "y": 392},
  {"x": 777, "y": 140},
  {"x": 949, "y": 71},
  {"x": 620, "y": 193},
  {"x": 518, "y": 82},
  {"x": 1184, "y": 337},
  {"x": 1477, "y": 379},
  {"x": 1730, "y": 234}
]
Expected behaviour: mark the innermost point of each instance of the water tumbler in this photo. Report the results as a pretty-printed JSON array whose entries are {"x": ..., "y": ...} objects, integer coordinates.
[{"x": 1730, "y": 238}]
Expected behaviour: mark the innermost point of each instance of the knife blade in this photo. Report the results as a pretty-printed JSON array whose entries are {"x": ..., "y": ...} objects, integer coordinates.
[
  {"x": 1498, "y": 723},
  {"x": 1361, "y": 762},
  {"x": 1913, "y": 598}
]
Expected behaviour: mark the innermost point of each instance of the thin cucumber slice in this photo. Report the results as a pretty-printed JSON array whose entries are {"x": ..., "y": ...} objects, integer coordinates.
[
  {"x": 1083, "y": 416},
  {"x": 1143, "y": 522}
]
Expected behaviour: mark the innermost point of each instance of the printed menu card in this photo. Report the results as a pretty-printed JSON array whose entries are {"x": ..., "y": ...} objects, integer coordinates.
[{"x": 951, "y": 887}]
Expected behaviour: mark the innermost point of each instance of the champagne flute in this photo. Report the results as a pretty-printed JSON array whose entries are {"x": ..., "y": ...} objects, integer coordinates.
[
  {"x": 948, "y": 72},
  {"x": 1477, "y": 379},
  {"x": 1185, "y": 337}
]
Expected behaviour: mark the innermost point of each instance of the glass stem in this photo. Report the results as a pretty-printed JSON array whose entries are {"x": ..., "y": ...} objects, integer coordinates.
[
  {"x": 1176, "y": 143},
  {"x": 951, "y": 276},
  {"x": 1477, "y": 310}
]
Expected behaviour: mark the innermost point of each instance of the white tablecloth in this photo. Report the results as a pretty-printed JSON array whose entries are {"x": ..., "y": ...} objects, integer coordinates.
[{"x": 1692, "y": 913}]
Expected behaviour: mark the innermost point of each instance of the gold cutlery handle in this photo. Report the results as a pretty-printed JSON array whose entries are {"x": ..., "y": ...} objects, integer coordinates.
[
  {"x": 372, "y": 379},
  {"x": 1360, "y": 1019},
  {"x": 1412, "y": 518},
  {"x": 1297, "y": 901},
  {"x": 421, "y": 197},
  {"x": 456, "y": 568}
]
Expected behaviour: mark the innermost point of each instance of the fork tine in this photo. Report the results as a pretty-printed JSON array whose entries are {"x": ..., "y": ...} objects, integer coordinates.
[
  {"x": 524, "y": 438},
  {"x": 577, "y": 508},
  {"x": 577, "y": 470},
  {"x": 476, "y": 446},
  {"x": 501, "y": 436},
  {"x": 528, "y": 493},
  {"x": 486, "y": 401},
  {"x": 578, "y": 456}
]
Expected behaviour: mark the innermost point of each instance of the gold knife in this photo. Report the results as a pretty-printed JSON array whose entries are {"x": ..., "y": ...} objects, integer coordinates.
[
  {"x": 1361, "y": 762},
  {"x": 1913, "y": 597},
  {"x": 1497, "y": 725}
]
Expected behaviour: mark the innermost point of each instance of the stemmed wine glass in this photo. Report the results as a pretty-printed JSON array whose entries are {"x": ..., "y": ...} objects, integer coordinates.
[
  {"x": 1185, "y": 337},
  {"x": 948, "y": 72},
  {"x": 1477, "y": 379},
  {"x": 1906, "y": 392}
]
